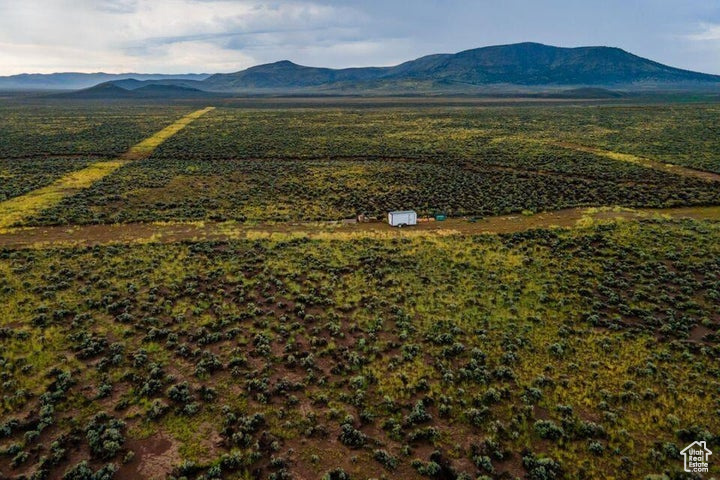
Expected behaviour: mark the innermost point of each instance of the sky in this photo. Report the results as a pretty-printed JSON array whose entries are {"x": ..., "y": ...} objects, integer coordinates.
[{"x": 209, "y": 36}]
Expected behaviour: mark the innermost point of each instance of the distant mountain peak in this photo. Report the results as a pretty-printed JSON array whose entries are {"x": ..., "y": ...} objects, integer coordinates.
[
  {"x": 285, "y": 63},
  {"x": 278, "y": 64}
]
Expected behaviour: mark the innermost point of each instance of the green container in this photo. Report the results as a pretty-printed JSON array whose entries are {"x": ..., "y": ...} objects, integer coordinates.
[{"x": 440, "y": 217}]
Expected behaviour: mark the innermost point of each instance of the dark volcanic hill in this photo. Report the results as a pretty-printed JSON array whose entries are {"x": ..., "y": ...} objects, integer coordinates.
[
  {"x": 286, "y": 74},
  {"x": 142, "y": 90},
  {"x": 536, "y": 64},
  {"x": 102, "y": 91}
]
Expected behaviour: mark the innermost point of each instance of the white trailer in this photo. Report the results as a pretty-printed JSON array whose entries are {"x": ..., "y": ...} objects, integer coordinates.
[{"x": 402, "y": 218}]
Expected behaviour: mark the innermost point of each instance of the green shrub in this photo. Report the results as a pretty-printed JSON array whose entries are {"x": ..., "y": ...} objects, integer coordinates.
[{"x": 104, "y": 435}]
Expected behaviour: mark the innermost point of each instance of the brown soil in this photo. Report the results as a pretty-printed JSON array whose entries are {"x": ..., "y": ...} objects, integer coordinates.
[
  {"x": 698, "y": 333},
  {"x": 512, "y": 466},
  {"x": 155, "y": 457},
  {"x": 541, "y": 413}
]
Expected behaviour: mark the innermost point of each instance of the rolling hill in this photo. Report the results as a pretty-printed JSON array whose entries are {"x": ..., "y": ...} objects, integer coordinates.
[{"x": 145, "y": 91}]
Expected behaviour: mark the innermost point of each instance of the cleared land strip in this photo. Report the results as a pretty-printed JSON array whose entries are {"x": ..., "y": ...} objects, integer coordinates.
[
  {"x": 642, "y": 161},
  {"x": 16, "y": 209},
  {"x": 146, "y": 147},
  {"x": 89, "y": 235}
]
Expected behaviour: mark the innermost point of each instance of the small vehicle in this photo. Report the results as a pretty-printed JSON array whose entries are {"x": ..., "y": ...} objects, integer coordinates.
[{"x": 402, "y": 218}]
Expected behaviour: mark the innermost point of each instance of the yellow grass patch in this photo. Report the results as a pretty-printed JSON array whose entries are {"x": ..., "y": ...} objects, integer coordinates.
[
  {"x": 16, "y": 209},
  {"x": 146, "y": 147},
  {"x": 617, "y": 156},
  {"x": 643, "y": 162}
]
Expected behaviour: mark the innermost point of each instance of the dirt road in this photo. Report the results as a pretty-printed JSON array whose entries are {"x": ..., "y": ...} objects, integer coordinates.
[{"x": 88, "y": 235}]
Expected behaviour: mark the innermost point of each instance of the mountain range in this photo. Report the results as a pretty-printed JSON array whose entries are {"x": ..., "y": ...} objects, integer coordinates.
[
  {"x": 518, "y": 68},
  {"x": 76, "y": 81},
  {"x": 519, "y": 65}
]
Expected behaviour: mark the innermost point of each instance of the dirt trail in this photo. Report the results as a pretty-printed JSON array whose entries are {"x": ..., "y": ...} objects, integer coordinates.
[
  {"x": 16, "y": 209},
  {"x": 88, "y": 235},
  {"x": 642, "y": 161}
]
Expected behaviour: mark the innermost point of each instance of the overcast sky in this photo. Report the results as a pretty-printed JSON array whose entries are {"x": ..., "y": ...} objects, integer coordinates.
[{"x": 179, "y": 36}]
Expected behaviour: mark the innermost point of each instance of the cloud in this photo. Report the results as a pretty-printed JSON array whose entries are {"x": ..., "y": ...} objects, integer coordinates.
[
  {"x": 177, "y": 56},
  {"x": 178, "y": 36},
  {"x": 31, "y": 57},
  {"x": 117, "y": 6},
  {"x": 164, "y": 35},
  {"x": 708, "y": 32}
]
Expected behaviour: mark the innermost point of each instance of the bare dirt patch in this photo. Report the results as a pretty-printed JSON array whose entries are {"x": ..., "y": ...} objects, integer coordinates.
[
  {"x": 155, "y": 457},
  {"x": 699, "y": 332}
]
